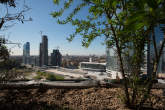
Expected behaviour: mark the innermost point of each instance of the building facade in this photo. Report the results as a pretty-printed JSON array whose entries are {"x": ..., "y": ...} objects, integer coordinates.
[
  {"x": 93, "y": 66},
  {"x": 26, "y": 53},
  {"x": 43, "y": 54},
  {"x": 56, "y": 58}
]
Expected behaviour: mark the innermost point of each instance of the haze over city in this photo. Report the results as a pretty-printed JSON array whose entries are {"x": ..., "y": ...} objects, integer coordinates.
[{"x": 42, "y": 21}]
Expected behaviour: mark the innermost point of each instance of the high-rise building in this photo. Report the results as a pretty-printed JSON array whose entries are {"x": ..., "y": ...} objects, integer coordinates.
[
  {"x": 56, "y": 58},
  {"x": 40, "y": 55},
  {"x": 43, "y": 56},
  {"x": 26, "y": 53}
]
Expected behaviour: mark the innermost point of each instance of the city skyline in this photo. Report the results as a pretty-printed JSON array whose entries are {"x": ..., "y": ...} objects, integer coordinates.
[{"x": 30, "y": 32}]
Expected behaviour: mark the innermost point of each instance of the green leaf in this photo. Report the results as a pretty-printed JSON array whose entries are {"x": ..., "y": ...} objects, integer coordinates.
[
  {"x": 139, "y": 26},
  {"x": 71, "y": 37},
  {"x": 56, "y": 1},
  {"x": 114, "y": 3},
  {"x": 159, "y": 1}
]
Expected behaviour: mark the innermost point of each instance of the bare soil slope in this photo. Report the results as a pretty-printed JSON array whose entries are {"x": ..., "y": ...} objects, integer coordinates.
[{"x": 67, "y": 99}]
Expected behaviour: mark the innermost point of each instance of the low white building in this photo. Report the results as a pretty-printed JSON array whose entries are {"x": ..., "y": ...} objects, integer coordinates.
[
  {"x": 102, "y": 70},
  {"x": 93, "y": 66}
]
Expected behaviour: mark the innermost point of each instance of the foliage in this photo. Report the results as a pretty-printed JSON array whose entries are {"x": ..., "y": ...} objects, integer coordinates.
[
  {"x": 38, "y": 77},
  {"x": 4, "y": 54},
  {"x": 59, "y": 77},
  {"x": 51, "y": 77},
  {"x": 9, "y": 64},
  {"x": 9, "y": 2},
  {"x": 148, "y": 15},
  {"x": 9, "y": 70},
  {"x": 8, "y": 17},
  {"x": 41, "y": 73},
  {"x": 8, "y": 67},
  {"x": 127, "y": 26},
  {"x": 11, "y": 74}
]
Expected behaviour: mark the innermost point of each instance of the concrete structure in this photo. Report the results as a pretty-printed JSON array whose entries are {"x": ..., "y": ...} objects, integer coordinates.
[
  {"x": 56, "y": 58},
  {"x": 93, "y": 66},
  {"x": 43, "y": 55},
  {"x": 26, "y": 53}
]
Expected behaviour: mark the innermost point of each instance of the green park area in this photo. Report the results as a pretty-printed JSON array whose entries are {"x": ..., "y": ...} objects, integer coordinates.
[{"x": 47, "y": 76}]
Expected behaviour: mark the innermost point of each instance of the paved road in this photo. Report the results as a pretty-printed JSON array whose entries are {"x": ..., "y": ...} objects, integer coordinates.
[{"x": 65, "y": 73}]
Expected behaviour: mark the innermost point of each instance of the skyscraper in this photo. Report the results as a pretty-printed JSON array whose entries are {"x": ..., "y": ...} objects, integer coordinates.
[
  {"x": 56, "y": 58},
  {"x": 26, "y": 53},
  {"x": 40, "y": 55},
  {"x": 43, "y": 57}
]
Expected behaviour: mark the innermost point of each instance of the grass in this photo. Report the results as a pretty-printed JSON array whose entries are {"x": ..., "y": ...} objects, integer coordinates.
[
  {"x": 41, "y": 73},
  {"x": 38, "y": 77},
  {"x": 48, "y": 76}
]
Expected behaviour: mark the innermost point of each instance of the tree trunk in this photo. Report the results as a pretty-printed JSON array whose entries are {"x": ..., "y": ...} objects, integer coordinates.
[
  {"x": 121, "y": 66},
  {"x": 153, "y": 75}
]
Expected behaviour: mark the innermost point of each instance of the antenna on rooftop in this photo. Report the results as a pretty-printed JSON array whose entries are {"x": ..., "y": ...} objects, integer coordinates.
[{"x": 41, "y": 32}]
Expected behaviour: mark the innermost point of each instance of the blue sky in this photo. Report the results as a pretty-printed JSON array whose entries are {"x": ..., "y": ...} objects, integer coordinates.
[{"x": 57, "y": 34}]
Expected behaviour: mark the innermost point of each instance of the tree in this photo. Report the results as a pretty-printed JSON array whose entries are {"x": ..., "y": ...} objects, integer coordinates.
[
  {"x": 4, "y": 54},
  {"x": 7, "y": 18},
  {"x": 126, "y": 25},
  {"x": 147, "y": 15}
]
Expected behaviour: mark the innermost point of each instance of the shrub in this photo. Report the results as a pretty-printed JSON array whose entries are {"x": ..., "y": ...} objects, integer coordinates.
[
  {"x": 38, "y": 77},
  {"x": 51, "y": 77},
  {"x": 41, "y": 73},
  {"x": 8, "y": 75},
  {"x": 48, "y": 76},
  {"x": 59, "y": 77}
]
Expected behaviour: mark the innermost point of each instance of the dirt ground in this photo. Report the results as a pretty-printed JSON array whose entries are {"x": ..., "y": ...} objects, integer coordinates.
[{"x": 67, "y": 99}]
